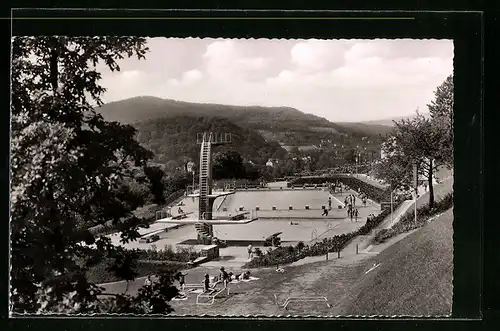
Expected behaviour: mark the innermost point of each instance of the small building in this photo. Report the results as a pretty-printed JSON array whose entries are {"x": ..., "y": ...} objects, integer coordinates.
[{"x": 269, "y": 163}]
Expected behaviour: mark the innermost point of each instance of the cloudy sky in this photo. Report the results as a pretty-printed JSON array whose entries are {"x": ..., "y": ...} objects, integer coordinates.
[{"x": 341, "y": 80}]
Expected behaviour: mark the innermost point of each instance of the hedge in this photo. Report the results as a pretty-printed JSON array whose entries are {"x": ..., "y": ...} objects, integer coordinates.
[
  {"x": 289, "y": 254},
  {"x": 101, "y": 273},
  {"x": 182, "y": 254},
  {"x": 407, "y": 222},
  {"x": 150, "y": 261},
  {"x": 374, "y": 193}
]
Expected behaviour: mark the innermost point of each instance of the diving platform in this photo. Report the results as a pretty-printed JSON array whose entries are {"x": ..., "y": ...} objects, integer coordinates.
[
  {"x": 213, "y": 195},
  {"x": 239, "y": 218}
]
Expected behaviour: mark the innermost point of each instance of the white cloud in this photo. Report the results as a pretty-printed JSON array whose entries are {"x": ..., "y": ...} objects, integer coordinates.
[
  {"x": 192, "y": 76},
  {"x": 225, "y": 61},
  {"x": 315, "y": 55},
  {"x": 173, "y": 82},
  {"x": 337, "y": 79}
]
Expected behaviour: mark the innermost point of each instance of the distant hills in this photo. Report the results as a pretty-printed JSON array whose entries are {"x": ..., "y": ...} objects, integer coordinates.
[
  {"x": 255, "y": 117},
  {"x": 389, "y": 121},
  {"x": 168, "y": 127}
]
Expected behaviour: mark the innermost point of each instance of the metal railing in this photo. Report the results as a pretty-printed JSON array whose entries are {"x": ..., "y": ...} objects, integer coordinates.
[
  {"x": 210, "y": 296},
  {"x": 246, "y": 214},
  {"x": 160, "y": 214},
  {"x": 302, "y": 299},
  {"x": 314, "y": 234}
]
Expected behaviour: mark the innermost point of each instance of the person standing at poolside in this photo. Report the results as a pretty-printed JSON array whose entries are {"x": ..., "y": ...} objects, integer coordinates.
[
  {"x": 250, "y": 251},
  {"x": 206, "y": 283},
  {"x": 224, "y": 276},
  {"x": 148, "y": 283}
]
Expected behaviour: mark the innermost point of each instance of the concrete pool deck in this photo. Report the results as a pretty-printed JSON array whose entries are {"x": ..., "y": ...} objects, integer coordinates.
[{"x": 296, "y": 225}]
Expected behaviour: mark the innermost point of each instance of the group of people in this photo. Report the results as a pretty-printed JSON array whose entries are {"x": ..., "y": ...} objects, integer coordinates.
[
  {"x": 224, "y": 278},
  {"x": 353, "y": 213},
  {"x": 350, "y": 203}
]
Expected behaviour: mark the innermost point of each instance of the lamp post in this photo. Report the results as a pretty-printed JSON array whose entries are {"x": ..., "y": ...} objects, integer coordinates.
[
  {"x": 392, "y": 208},
  {"x": 192, "y": 172},
  {"x": 356, "y": 162}
]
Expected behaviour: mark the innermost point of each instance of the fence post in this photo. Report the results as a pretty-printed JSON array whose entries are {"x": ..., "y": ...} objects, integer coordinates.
[
  {"x": 356, "y": 249},
  {"x": 327, "y": 255},
  {"x": 338, "y": 254}
]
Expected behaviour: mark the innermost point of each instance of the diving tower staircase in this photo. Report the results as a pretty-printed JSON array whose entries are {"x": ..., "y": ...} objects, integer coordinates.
[
  {"x": 206, "y": 217},
  {"x": 207, "y": 140}
]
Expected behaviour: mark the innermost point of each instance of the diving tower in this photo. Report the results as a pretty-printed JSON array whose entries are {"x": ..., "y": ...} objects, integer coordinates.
[{"x": 206, "y": 197}]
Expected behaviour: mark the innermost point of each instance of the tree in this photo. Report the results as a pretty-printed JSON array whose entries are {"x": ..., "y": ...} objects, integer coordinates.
[
  {"x": 441, "y": 110},
  {"x": 68, "y": 172},
  {"x": 155, "y": 177},
  {"x": 350, "y": 156},
  {"x": 228, "y": 164},
  {"x": 251, "y": 172},
  {"x": 414, "y": 141},
  {"x": 395, "y": 171}
]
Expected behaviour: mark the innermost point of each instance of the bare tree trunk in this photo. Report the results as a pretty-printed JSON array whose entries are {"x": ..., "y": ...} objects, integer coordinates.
[{"x": 431, "y": 187}]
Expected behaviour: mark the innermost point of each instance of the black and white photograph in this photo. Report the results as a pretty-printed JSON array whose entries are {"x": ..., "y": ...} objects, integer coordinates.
[{"x": 231, "y": 177}]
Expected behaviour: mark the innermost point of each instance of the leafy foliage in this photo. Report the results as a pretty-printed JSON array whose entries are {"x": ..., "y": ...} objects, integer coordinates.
[
  {"x": 68, "y": 172},
  {"x": 277, "y": 124},
  {"x": 414, "y": 141},
  {"x": 441, "y": 110},
  {"x": 228, "y": 164},
  {"x": 428, "y": 143}
]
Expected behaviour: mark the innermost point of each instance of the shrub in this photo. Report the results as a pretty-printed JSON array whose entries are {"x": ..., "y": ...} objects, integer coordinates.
[
  {"x": 300, "y": 246},
  {"x": 100, "y": 273},
  {"x": 183, "y": 254}
]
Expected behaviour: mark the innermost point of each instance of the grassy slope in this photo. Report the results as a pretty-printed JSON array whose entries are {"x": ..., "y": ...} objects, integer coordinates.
[{"x": 414, "y": 276}]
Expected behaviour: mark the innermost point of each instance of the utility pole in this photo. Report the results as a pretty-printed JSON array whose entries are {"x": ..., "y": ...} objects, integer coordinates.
[{"x": 415, "y": 183}]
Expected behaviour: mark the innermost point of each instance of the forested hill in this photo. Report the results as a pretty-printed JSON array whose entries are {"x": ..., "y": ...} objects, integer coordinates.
[
  {"x": 173, "y": 139},
  {"x": 266, "y": 119},
  {"x": 287, "y": 126}
]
